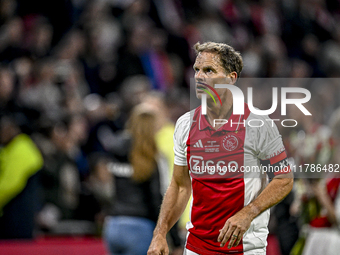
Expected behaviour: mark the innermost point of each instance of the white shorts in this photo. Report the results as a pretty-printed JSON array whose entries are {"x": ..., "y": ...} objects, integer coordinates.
[{"x": 253, "y": 252}]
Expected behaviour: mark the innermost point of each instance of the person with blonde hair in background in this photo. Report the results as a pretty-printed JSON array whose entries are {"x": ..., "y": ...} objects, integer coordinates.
[{"x": 139, "y": 180}]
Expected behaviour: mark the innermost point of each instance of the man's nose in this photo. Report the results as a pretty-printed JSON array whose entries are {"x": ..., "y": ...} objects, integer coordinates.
[
  {"x": 199, "y": 80},
  {"x": 199, "y": 76}
]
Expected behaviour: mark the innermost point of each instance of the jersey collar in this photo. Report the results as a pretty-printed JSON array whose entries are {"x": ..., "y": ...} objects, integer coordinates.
[{"x": 235, "y": 122}]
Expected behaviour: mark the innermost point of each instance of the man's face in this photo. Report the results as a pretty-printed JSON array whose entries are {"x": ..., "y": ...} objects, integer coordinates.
[{"x": 208, "y": 70}]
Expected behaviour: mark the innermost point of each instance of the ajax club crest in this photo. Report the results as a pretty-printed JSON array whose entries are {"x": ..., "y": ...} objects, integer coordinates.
[{"x": 230, "y": 142}]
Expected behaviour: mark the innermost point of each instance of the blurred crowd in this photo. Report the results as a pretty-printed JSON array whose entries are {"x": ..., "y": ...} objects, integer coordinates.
[{"x": 71, "y": 71}]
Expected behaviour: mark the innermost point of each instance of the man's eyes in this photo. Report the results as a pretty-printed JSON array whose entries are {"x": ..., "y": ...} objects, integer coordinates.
[{"x": 206, "y": 70}]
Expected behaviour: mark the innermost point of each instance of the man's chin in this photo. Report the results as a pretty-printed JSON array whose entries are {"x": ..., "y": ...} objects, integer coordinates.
[{"x": 199, "y": 94}]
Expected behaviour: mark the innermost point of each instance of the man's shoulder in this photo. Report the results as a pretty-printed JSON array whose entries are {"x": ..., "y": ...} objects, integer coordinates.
[
  {"x": 260, "y": 121},
  {"x": 253, "y": 116},
  {"x": 186, "y": 118}
]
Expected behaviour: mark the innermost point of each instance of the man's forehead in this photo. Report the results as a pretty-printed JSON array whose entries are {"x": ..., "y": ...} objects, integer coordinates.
[{"x": 206, "y": 56}]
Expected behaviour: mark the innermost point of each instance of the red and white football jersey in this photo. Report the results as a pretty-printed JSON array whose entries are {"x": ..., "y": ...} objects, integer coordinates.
[{"x": 226, "y": 175}]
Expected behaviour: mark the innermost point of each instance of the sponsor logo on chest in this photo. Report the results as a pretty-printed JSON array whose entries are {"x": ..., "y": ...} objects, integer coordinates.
[{"x": 216, "y": 155}]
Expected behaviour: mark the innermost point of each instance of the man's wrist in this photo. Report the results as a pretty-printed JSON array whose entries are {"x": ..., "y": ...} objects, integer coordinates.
[
  {"x": 160, "y": 232},
  {"x": 252, "y": 210}
]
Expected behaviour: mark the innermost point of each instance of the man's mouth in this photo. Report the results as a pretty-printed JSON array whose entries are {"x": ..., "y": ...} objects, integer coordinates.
[{"x": 201, "y": 85}]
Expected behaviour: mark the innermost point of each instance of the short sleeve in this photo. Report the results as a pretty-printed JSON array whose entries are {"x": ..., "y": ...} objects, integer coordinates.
[
  {"x": 270, "y": 148},
  {"x": 269, "y": 140},
  {"x": 180, "y": 138}
]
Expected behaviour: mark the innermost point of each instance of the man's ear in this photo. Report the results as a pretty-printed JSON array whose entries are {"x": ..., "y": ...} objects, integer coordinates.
[{"x": 233, "y": 77}]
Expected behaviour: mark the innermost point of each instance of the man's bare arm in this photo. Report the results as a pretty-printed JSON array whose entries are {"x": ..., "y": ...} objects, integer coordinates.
[
  {"x": 174, "y": 203},
  {"x": 238, "y": 224}
]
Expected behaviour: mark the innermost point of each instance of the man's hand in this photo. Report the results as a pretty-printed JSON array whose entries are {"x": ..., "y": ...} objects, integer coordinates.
[
  {"x": 174, "y": 202},
  {"x": 237, "y": 225},
  {"x": 158, "y": 246},
  {"x": 234, "y": 228}
]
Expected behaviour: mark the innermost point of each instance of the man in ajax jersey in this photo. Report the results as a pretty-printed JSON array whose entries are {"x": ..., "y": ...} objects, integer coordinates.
[{"x": 221, "y": 164}]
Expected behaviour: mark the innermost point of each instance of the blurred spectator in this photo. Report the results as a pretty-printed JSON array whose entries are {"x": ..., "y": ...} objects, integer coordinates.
[
  {"x": 98, "y": 191},
  {"x": 323, "y": 235},
  {"x": 161, "y": 71},
  {"x": 314, "y": 197},
  {"x": 133, "y": 91},
  {"x": 329, "y": 56},
  {"x": 105, "y": 117},
  {"x": 40, "y": 36},
  {"x": 12, "y": 37},
  {"x": 103, "y": 38},
  {"x": 20, "y": 160},
  {"x": 65, "y": 166},
  {"x": 6, "y": 90},
  {"x": 134, "y": 54},
  {"x": 45, "y": 96},
  {"x": 310, "y": 54},
  {"x": 26, "y": 117},
  {"x": 24, "y": 70},
  {"x": 7, "y": 10},
  {"x": 52, "y": 10},
  {"x": 165, "y": 128},
  {"x": 138, "y": 180}
]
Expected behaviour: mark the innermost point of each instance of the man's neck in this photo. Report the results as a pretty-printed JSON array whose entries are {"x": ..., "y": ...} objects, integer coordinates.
[{"x": 219, "y": 112}]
